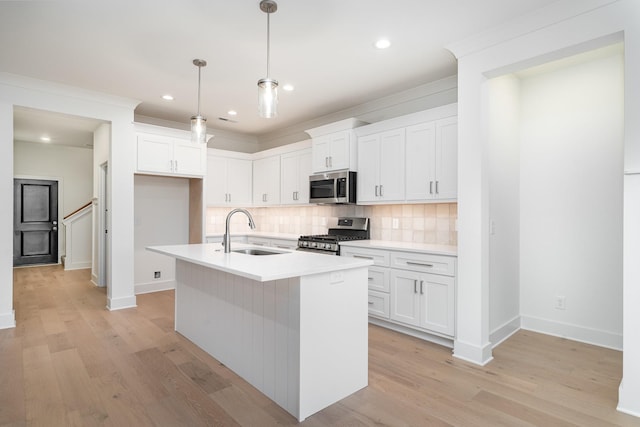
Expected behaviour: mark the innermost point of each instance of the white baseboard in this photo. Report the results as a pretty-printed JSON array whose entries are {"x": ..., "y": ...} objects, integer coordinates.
[
  {"x": 478, "y": 355},
  {"x": 8, "y": 320},
  {"x": 503, "y": 332},
  {"x": 628, "y": 401},
  {"x": 77, "y": 265},
  {"x": 121, "y": 303},
  {"x": 145, "y": 288},
  {"x": 573, "y": 332}
]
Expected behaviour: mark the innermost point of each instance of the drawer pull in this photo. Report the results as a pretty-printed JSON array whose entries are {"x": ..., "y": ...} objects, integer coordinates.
[
  {"x": 370, "y": 302},
  {"x": 421, "y": 264},
  {"x": 370, "y": 279},
  {"x": 415, "y": 286},
  {"x": 363, "y": 257},
  {"x": 421, "y": 284}
]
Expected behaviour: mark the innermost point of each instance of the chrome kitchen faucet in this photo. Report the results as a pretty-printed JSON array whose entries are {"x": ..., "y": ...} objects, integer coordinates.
[{"x": 226, "y": 239}]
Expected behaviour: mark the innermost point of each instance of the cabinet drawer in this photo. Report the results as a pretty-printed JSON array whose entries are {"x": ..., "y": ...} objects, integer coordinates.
[
  {"x": 378, "y": 279},
  {"x": 379, "y": 304},
  {"x": 434, "y": 264},
  {"x": 378, "y": 257}
]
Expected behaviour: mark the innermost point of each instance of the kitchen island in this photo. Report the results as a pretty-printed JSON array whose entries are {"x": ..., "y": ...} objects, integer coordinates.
[{"x": 292, "y": 324}]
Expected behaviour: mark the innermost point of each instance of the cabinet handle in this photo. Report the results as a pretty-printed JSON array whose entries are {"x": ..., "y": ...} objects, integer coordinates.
[
  {"x": 330, "y": 161},
  {"x": 376, "y": 191},
  {"x": 170, "y": 165},
  {"x": 229, "y": 197},
  {"x": 264, "y": 197},
  {"x": 370, "y": 279},
  {"x": 176, "y": 166},
  {"x": 421, "y": 264},
  {"x": 421, "y": 284},
  {"x": 326, "y": 162},
  {"x": 415, "y": 286},
  {"x": 437, "y": 191},
  {"x": 363, "y": 257},
  {"x": 381, "y": 191},
  {"x": 370, "y": 302},
  {"x": 430, "y": 187}
]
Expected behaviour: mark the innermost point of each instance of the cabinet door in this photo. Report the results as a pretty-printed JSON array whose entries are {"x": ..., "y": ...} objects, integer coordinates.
[
  {"x": 446, "y": 158},
  {"x": 155, "y": 154},
  {"x": 405, "y": 299},
  {"x": 189, "y": 158},
  {"x": 266, "y": 181},
  {"x": 239, "y": 181},
  {"x": 339, "y": 150},
  {"x": 368, "y": 168},
  {"x": 392, "y": 171},
  {"x": 216, "y": 181},
  {"x": 437, "y": 307},
  {"x": 320, "y": 154},
  {"x": 420, "y": 164},
  {"x": 304, "y": 170}
]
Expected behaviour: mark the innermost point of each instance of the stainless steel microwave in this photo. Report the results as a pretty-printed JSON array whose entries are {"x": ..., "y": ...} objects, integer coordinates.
[{"x": 337, "y": 187}]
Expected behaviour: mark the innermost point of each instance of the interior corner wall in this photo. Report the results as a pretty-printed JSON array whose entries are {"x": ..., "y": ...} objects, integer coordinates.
[
  {"x": 101, "y": 141},
  {"x": 571, "y": 196},
  {"x": 504, "y": 207},
  {"x": 161, "y": 218}
]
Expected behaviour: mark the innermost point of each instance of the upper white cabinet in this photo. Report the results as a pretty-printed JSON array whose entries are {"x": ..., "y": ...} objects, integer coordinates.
[
  {"x": 229, "y": 180},
  {"x": 380, "y": 166},
  {"x": 295, "y": 169},
  {"x": 432, "y": 160},
  {"x": 334, "y": 146},
  {"x": 266, "y": 181},
  {"x": 169, "y": 155},
  {"x": 413, "y": 158}
]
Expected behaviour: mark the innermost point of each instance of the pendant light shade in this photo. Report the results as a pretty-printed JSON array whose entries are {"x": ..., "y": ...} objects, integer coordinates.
[
  {"x": 268, "y": 87},
  {"x": 198, "y": 122}
]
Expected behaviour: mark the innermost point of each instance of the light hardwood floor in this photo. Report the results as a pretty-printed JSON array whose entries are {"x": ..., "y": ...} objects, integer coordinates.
[{"x": 69, "y": 361}]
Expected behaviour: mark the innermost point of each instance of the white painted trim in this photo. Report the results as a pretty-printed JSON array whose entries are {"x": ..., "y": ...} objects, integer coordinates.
[
  {"x": 8, "y": 320},
  {"x": 504, "y": 331},
  {"x": 627, "y": 401},
  {"x": 346, "y": 124},
  {"x": 121, "y": 303},
  {"x": 77, "y": 265},
  {"x": 573, "y": 332},
  {"x": 145, "y": 288},
  {"x": 471, "y": 353},
  {"x": 429, "y": 115}
]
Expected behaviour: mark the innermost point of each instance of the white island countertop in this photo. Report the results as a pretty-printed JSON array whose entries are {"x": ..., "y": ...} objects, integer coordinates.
[{"x": 262, "y": 268}]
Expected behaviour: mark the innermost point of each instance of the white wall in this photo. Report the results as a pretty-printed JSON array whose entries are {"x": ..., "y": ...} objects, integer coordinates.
[
  {"x": 161, "y": 206},
  {"x": 558, "y": 30},
  {"x": 101, "y": 143},
  {"x": 571, "y": 200},
  {"x": 504, "y": 200},
  {"x": 73, "y": 165},
  {"x": 7, "y": 314}
]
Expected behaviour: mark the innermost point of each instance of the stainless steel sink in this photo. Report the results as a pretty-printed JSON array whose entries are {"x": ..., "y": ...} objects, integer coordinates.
[{"x": 255, "y": 251}]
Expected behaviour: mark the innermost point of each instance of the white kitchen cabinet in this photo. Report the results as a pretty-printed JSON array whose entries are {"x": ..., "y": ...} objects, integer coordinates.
[
  {"x": 295, "y": 169},
  {"x": 423, "y": 300},
  {"x": 166, "y": 155},
  {"x": 381, "y": 162},
  {"x": 229, "y": 181},
  {"x": 266, "y": 181},
  {"x": 432, "y": 160},
  {"x": 410, "y": 291},
  {"x": 332, "y": 152}
]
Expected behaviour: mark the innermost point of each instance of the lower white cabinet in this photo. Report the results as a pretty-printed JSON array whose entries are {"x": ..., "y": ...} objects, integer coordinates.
[
  {"x": 423, "y": 300},
  {"x": 415, "y": 290}
]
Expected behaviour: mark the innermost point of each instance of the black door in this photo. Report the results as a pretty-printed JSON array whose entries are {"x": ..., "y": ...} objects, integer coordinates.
[{"x": 35, "y": 222}]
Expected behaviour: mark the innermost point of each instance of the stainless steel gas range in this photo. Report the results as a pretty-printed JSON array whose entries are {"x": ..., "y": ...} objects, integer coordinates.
[{"x": 344, "y": 229}]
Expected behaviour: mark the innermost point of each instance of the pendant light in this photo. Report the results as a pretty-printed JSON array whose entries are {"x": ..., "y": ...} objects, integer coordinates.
[
  {"x": 268, "y": 87},
  {"x": 198, "y": 122}
]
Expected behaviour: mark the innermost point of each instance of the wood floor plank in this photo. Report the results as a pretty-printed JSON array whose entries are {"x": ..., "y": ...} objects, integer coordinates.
[{"x": 74, "y": 363}]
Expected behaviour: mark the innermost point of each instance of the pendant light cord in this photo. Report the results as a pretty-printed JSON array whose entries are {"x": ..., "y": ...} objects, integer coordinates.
[
  {"x": 268, "y": 41},
  {"x": 199, "y": 69}
]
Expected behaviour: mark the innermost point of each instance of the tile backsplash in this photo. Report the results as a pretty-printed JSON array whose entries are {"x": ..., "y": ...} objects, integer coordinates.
[{"x": 419, "y": 223}]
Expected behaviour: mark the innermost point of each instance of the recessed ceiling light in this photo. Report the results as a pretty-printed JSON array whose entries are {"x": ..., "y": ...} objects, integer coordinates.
[
  {"x": 45, "y": 139},
  {"x": 167, "y": 97},
  {"x": 382, "y": 43},
  {"x": 288, "y": 87},
  {"x": 232, "y": 112}
]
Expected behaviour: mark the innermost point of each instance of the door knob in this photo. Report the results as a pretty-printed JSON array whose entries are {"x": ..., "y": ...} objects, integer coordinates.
[{"x": 54, "y": 228}]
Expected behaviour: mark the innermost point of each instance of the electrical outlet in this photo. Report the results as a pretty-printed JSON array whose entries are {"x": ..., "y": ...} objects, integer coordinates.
[
  {"x": 561, "y": 302},
  {"x": 395, "y": 223},
  {"x": 156, "y": 274}
]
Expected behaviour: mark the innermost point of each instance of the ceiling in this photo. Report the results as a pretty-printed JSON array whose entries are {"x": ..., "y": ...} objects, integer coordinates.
[{"x": 144, "y": 49}]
